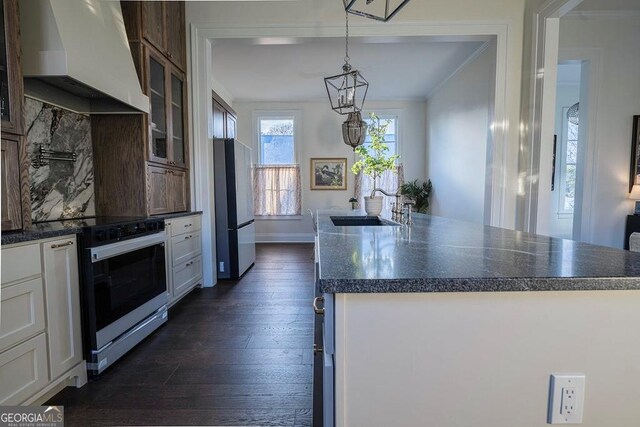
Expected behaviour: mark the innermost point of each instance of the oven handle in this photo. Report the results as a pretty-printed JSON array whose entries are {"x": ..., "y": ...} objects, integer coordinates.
[{"x": 101, "y": 253}]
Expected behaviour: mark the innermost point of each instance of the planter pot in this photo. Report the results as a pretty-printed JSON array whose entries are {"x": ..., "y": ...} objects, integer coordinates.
[{"x": 373, "y": 205}]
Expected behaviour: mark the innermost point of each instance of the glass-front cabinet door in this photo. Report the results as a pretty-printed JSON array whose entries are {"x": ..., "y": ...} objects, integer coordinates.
[
  {"x": 158, "y": 98},
  {"x": 10, "y": 70},
  {"x": 5, "y": 109},
  {"x": 177, "y": 120}
]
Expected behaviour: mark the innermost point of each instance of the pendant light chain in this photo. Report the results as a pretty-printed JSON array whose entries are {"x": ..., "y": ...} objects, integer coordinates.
[{"x": 346, "y": 57}]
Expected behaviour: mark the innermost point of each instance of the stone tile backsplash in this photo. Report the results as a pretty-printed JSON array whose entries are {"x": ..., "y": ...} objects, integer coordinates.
[{"x": 61, "y": 189}]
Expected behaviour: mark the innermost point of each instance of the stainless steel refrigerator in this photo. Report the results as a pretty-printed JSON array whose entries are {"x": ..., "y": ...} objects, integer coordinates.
[{"x": 235, "y": 228}]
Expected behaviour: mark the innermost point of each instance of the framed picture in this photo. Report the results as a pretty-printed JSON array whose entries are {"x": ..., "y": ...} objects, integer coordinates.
[
  {"x": 634, "y": 175},
  {"x": 329, "y": 174}
]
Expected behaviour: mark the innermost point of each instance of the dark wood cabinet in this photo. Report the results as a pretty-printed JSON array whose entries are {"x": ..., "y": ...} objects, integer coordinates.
[
  {"x": 143, "y": 160},
  {"x": 16, "y": 203},
  {"x": 167, "y": 94},
  {"x": 167, "y": 190},
  {"x": 224, "y": 119},
  {"x": 178, "y": 196},
  {"x": 11, "y": 91},
  {"x": 153, "y": 24},
  {"x": 11, "y": 199},
  {"x": 160, "y": 24},
  {"x": 176, "y": 33},
  {"x": 158, "y": 193}
]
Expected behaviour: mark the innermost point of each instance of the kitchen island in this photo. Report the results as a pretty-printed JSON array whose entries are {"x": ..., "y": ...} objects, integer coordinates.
[{"x": 448, "y": 323}]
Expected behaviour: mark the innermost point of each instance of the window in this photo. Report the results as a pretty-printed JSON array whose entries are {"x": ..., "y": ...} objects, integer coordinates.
[
  {"x": 276, "y": 178},
  {"x": 277, "y": 141},
  {"x": 390, "y": 136},
  {"x": 390, "y": 180},
  {"x": 568, "y": 159}
]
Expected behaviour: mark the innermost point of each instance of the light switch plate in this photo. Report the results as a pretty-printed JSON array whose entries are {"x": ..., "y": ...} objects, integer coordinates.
[{"x": 566, "y": 399}]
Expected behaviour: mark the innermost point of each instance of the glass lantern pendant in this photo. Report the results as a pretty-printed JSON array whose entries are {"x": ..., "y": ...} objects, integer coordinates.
[
  {"x": 346, "y": 91},
  {"x": 354, "y": 130},
  {"x": 380, "y": 10}
]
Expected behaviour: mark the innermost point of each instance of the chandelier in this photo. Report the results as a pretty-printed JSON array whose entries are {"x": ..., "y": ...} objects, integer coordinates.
[
  {"x": 380, "y": 10},
  {"x": 347, "y": 92}
]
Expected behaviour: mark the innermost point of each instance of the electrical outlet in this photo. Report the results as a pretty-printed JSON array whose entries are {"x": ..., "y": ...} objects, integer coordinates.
[
  {"x": 221, "y": 266},
  {"x": 566, "y": 399}
]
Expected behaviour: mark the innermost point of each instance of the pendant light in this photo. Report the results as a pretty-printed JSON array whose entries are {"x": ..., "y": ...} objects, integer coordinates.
[
  {"x": 354, "y": 130},
  {"x": 347, "y": 92},
  {"x": 380, "y": 10}
]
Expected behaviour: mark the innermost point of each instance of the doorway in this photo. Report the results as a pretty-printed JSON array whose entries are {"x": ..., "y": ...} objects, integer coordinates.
[{"x": 565, "y": 206}]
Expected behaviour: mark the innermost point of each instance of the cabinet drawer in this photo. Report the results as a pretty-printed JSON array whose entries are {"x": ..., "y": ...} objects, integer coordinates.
[
  {"x": 185, "y": 247},
  {"x": 187, "y": 275},
  {"x": 20, "y": 262},
  {"x": 185, "y": 224},
  {"x": 22, "y": 313},
  {"x": 23, "y": 370}
]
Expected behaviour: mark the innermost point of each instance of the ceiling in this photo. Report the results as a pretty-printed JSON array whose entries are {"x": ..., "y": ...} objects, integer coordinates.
[{"x": 283, "y": 69}]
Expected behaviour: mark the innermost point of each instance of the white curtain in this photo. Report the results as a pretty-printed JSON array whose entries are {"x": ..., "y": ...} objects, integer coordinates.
[
  {"x": 389, "y": 181},
  {"x": 276, "y": 190}
]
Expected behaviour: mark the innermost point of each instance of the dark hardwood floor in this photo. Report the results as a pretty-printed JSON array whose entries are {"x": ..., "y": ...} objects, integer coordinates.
[{"x": 237, "y": 354}]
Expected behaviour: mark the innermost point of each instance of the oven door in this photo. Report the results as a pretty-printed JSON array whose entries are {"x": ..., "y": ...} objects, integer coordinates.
[{"x": 127, "y": 283}]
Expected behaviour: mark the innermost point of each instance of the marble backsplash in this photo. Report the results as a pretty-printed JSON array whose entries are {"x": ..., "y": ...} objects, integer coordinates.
[{"x": 61, "y": 189}]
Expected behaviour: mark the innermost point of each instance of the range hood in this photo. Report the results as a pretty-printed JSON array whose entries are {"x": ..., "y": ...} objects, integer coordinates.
[{"x": 75, "y": 55}]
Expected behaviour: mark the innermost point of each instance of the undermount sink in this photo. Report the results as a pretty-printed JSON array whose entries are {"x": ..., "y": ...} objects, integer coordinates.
[{"x": 361, "y": 221}]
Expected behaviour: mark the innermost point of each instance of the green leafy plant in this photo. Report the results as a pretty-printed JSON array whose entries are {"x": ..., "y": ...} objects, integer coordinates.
[
  {"x": 373, "y": 160},
  {"x": 418, "y": 192}
]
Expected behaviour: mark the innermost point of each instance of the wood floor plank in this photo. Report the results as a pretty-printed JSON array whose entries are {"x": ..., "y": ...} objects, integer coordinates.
[
  {"x": 180, "y": 417},
  {"x": 206, "y": 396},
  {"x": 242, "y": 374}
]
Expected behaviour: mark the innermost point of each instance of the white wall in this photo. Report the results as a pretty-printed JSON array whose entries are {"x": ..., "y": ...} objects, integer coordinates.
[
  {"x": 561, "y": 225},
  {"x": 614, "y": 40},
  {"x": 320, "y": 136},
  {"x": 458, "y": 119},
  {"x": 484, "y": 359}
]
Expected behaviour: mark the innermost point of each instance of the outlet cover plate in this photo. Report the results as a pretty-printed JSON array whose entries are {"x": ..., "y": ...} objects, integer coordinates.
[{"x": 566, "y": 399}]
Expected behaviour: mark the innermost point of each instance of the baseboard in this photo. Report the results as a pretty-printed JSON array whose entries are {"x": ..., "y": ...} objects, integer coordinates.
[{"x": 284, "y": 237}]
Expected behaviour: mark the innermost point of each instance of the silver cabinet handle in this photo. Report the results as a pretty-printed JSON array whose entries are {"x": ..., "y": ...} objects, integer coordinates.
[
  {"x": 62, "y": 245},
  {"x": 316, "y": 300},
  {"x": 189, "y": 263},
  {"x": 317, "y": 349},
  {"x": 188, "y": 237},
  {"x": 188, "y": 225}
]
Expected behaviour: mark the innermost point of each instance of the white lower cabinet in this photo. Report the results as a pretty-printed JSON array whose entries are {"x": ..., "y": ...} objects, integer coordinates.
[
  {"x": 62, "y": 294},
  {"x": 40, "y": 327},
  {"x": 23, "y": 370},
  {"x": 183, "y": 256},
  {"x": 22, "y": 311}
]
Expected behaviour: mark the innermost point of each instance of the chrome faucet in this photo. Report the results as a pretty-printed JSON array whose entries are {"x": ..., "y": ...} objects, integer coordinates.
[{"x": 397, "y": 208}]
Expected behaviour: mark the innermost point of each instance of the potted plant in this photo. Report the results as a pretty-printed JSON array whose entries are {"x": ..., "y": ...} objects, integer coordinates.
[
  {"x": 373, "y": 161},
  {"x": 418, "y": 192}
]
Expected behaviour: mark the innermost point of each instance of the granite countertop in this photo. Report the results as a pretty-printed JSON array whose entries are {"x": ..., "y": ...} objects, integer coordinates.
[
  {"x": 437, "y": 254},
  {"x": 46, "y": 230}
]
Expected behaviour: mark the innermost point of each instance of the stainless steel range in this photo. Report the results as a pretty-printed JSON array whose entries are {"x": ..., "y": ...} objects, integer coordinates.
[{"x": 124, "y": 291}]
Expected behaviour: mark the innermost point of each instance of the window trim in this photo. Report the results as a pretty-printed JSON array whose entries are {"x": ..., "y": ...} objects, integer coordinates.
[{"x": 258, "y": 115}]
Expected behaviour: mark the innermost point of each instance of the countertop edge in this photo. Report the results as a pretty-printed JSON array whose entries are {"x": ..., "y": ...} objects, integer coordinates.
[{"x": 433, "y": 285}]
